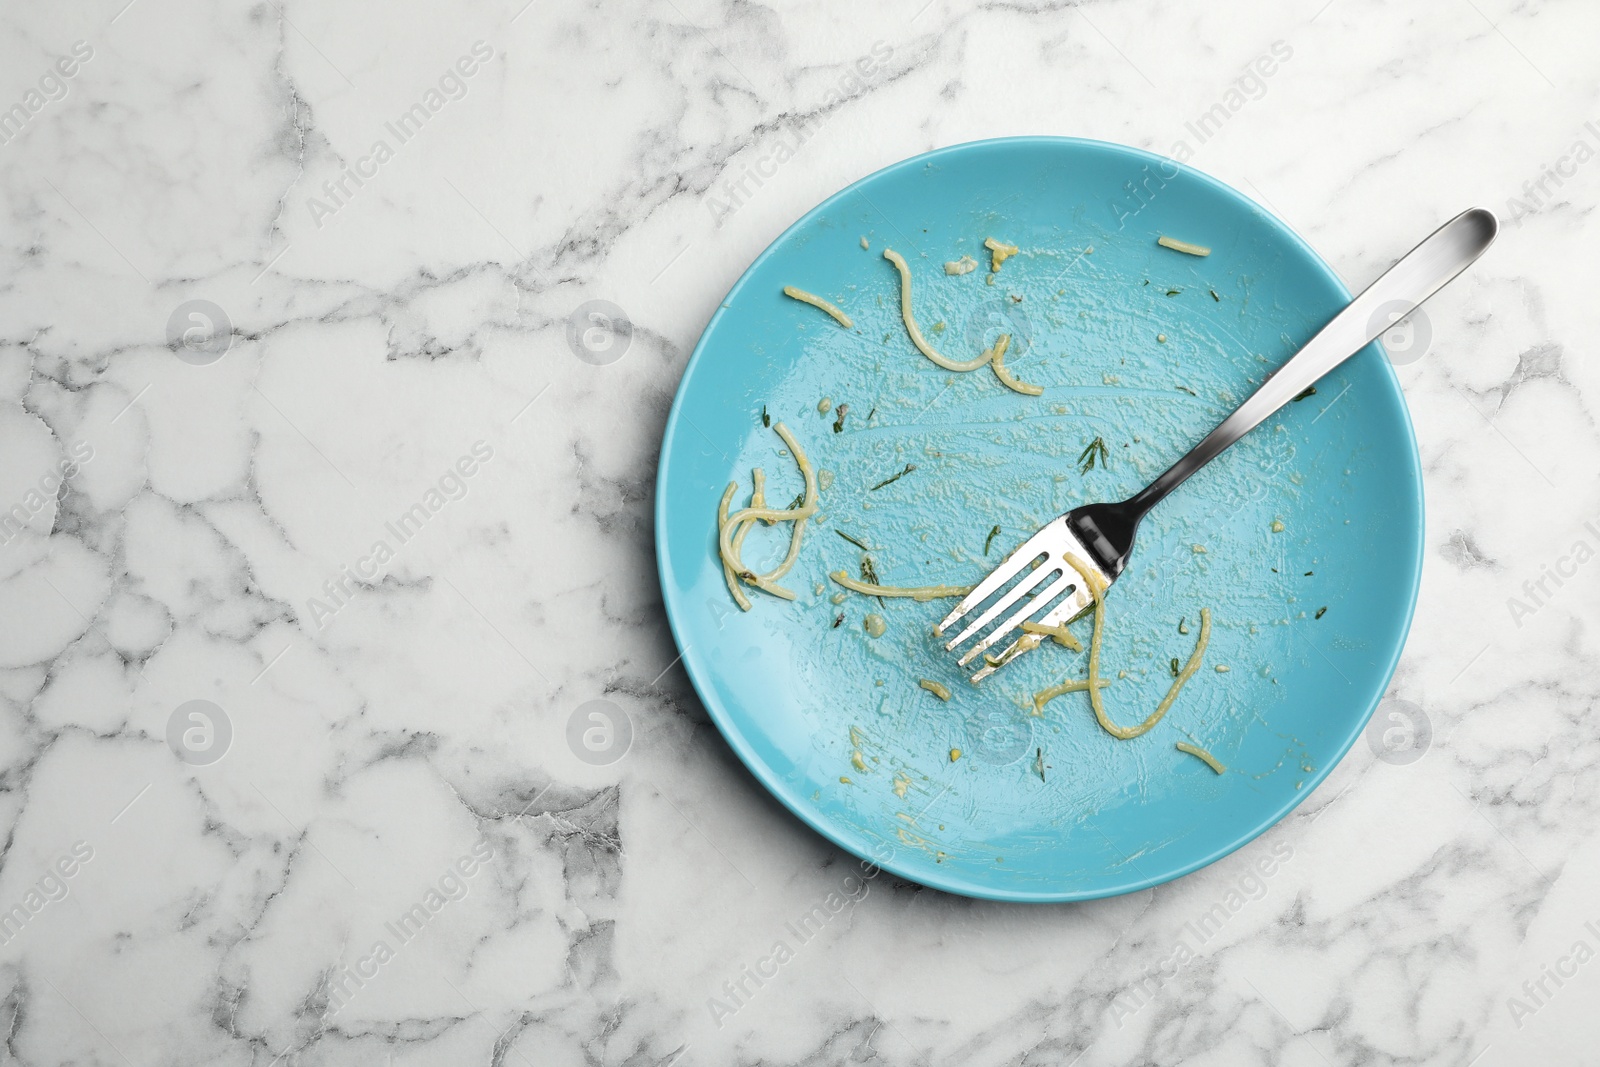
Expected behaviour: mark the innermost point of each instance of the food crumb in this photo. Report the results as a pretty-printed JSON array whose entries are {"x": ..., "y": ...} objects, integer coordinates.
[
  {"x": 1222, "y": 668},
  {"x": 875, "y": 625},
  {"x": 955, "y": 754},
  {"x": 845, "y": 781},
  {"x": 964, "y": 265},
  {"x": 999, "y": 252},
  {"x": 856, "y": 761},
  {"x": 837, "y": 598},
  {"x": 864, "y": 243},
  {"x": 901, "y": 784},
  {"x": 824, "y": 405},
  {"x": 938, "y": 689},
  {"x": 1277, "y": 526},
  {"x": 1199, "y": 550},
  {"x": 1162, "y": 338}
]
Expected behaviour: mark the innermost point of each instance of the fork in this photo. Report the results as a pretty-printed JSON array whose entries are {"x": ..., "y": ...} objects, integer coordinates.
[{"x": 1101, "y": 536}]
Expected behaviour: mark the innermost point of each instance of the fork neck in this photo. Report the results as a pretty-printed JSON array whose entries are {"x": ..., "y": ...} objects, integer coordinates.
[
  {"x": 1107, "y": 530},
  {"x": 1213, "y": 444},
  {"x": 1140, "y": 503}
]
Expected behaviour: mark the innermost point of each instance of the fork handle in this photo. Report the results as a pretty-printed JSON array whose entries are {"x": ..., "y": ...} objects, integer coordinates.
[{"x": 1421, "y": 272}]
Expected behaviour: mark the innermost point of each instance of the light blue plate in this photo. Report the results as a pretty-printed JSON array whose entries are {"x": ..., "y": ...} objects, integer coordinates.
[{"x": 798, "y": 697}]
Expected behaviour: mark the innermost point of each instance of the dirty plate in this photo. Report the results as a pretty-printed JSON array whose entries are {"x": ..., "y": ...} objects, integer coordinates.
[{"x": 1304, "y": 540}]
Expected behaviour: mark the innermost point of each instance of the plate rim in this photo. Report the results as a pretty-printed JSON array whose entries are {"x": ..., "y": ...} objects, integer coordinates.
[{"x": 775, "y": 786}]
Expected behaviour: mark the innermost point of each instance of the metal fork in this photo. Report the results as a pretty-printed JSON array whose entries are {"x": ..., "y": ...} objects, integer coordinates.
[{"x": 1101, "y": 536}]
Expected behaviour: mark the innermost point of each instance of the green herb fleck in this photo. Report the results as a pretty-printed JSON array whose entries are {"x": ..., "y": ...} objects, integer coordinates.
[
  {"x": 838, "y": 423},
  {"x": 838, "y": 620},
  {"x": 1038, "y": 763},
  {"x": 1309, "y": 573},
  {"x": 987, "y": 541},
  {"x": 1321, "y": 611},
  {"x": 766, "y": 420},
  {"x": 1215, "y": 297},
  {"x": 1185, "y": 389},
  {"x": 869, "y": 574},
  {"x": 797, "y": 501},
  {"x": 1174, "y": 292},
  {"x": 853, "y": 541},
  {"x": 893, "y": 478},
  {"x": 1309, "y": 390},
  {"x": 1176, "y": 670},
  {"x": 1183, "y": 625},
  {"x": 1096, "y": 450}
]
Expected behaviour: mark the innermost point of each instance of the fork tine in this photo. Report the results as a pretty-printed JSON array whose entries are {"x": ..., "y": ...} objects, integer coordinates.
[
  {"x": 1029, "y": 581},
  {"x": 988, "y": 668},
  {"x": 1069, "y": 608},
  {"x": 1008, "y": 569},
  {"x": 1056, "y": 588},
  {"x": 1055, "y": 541},
  {"x": 1061, "y": 614}
]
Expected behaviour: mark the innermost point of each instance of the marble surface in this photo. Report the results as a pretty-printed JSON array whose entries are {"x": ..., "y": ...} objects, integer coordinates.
[{"x": 290, "y": 426}]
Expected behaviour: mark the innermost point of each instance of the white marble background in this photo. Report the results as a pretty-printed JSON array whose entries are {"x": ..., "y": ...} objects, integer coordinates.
[{"x": 169, "y": 910}]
